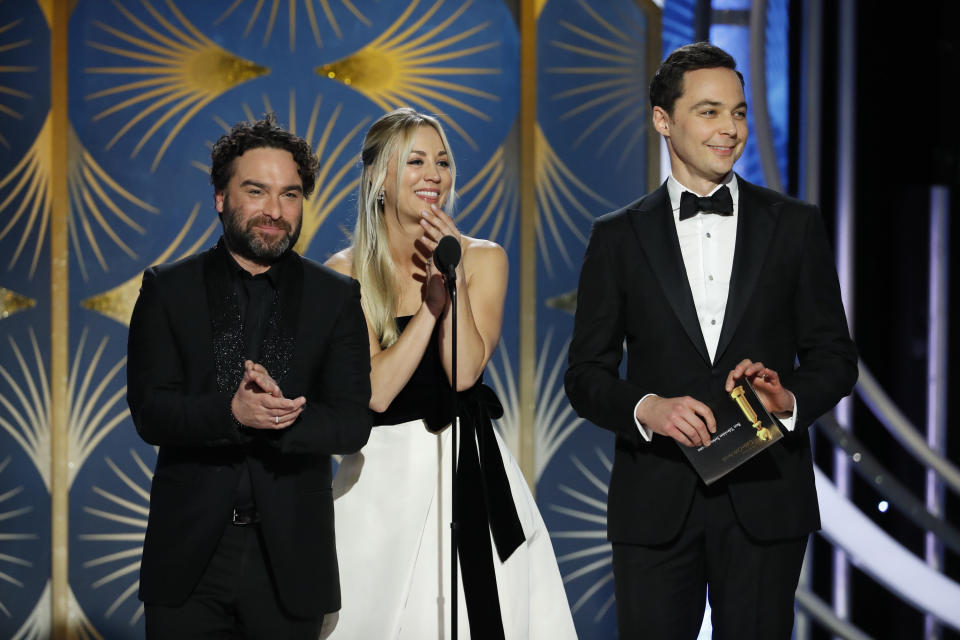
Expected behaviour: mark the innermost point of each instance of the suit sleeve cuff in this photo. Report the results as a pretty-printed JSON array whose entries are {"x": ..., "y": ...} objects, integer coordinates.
[
  {"x": 644, "y": 431},
  {"x": 788, "y": 421}
]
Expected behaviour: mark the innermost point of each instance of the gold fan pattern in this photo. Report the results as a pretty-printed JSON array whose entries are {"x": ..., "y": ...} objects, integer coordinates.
[{"x": 151, "y": 84}]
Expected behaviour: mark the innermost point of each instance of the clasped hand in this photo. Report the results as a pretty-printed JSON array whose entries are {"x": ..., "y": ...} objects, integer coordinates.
[
  {"x": 259, "y": 402},
  {"x": 690, "y": 422},
  {"x": 436, "y": 224}
]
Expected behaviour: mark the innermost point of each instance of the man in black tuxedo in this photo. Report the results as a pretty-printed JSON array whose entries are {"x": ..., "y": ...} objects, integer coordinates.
[
  {"x": 701, "y": 301},
  {"x": 248, "y": 366}
]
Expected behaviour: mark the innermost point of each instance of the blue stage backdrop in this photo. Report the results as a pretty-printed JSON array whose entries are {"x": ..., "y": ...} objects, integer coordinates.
[
  {"x": 25, "y": 209},
  {"x": 152, "y": 83}
]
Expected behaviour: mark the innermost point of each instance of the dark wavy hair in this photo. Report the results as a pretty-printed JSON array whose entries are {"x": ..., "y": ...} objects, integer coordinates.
[
  {"x": 264, "y": 133},
  {"x": 667, "y": 84}
]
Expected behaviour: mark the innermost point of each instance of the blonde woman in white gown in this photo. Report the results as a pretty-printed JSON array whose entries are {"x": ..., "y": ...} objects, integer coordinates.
[{"x": 392, "y": 499}]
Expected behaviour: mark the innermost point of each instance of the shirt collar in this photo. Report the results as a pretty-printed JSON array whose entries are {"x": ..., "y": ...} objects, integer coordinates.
[
  {"x": 274, "y": 274},
  {"x": 674, "y": 189}
]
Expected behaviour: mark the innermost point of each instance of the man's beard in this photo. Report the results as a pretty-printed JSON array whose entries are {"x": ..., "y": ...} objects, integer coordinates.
[{"x": 243, "y": 240}]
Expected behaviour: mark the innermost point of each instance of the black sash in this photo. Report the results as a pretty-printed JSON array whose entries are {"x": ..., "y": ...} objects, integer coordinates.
[{"x": 484, "y": 503}]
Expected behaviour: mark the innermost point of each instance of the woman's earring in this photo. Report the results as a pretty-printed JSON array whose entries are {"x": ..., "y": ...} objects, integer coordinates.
[{"x": 380, "y": 197}]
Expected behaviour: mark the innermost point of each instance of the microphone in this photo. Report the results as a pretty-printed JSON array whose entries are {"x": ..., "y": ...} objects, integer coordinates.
[{"x": 447, "y": 256}]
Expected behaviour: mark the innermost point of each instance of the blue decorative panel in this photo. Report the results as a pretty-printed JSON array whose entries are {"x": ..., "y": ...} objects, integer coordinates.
[
  {"x": 25, "y": 208},
  {"x": 152, "y": 85},
  {"x": 592, "y": 136}
]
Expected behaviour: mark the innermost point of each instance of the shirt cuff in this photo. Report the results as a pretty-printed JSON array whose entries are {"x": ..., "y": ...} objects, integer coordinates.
[
  {"x": 789, "y": 422},
  {"x": 646, "y": 433}
]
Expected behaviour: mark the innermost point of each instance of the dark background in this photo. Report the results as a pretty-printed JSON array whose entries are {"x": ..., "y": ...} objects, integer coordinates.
[{"x": 906, "y": 140}]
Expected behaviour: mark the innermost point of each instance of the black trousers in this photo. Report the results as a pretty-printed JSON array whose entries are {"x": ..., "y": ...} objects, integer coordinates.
[
  {"x": 235, "y": 598},
  {"x": 661, "y": 590}
]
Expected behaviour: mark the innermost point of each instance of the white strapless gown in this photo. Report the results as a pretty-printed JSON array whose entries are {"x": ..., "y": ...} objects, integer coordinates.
[{"x": 392, "y": 504}]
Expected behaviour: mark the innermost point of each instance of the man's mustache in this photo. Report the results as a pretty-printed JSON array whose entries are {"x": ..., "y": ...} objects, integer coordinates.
[{"x": 267, "y": 221}]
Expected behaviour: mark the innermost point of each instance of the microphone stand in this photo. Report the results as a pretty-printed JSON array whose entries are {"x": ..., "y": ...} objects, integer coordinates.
[
  {"x": 447, "y": 256},
  {"x": 451, "y": 281}
]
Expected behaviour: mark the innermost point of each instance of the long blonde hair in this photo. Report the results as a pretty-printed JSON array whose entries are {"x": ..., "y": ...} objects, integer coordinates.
[{"x": 390, "y": 136}]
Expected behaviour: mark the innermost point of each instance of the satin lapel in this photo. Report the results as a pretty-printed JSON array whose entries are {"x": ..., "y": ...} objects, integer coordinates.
[
  {"x": 280, "y": 338},
  {"x": 755, "y": 226},
  {"x": 653, "y": 223},
  {"x": 224, "y": 308}
]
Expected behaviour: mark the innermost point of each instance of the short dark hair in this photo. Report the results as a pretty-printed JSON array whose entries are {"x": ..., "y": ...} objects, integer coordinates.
[
  {"x": 264, "y": 133},
  {"x": 667, "y": 84}
]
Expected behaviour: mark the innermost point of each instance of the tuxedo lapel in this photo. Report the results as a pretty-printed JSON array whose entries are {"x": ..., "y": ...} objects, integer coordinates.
[
  {"x": 757, "y": 220},
  {"x": 653, "y": 223}
]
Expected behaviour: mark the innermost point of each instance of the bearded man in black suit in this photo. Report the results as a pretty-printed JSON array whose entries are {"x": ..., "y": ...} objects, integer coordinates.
[
  {"x": 248, "y": 366},
  {"x": 702, "y": 301}
]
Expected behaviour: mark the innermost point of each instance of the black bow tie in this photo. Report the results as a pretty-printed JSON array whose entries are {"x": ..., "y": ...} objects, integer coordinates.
[{"x": 720, "y": 203}]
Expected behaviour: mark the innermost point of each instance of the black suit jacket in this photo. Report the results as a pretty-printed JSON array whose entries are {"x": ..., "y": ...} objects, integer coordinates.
[
  {"x": 185, "y": 361},
  {"x": 783, "y": 305}
]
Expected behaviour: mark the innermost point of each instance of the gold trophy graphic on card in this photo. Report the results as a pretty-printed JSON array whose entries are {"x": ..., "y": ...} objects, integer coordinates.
[
  {"x": 734, "y": 443},
  {"x": 739, "y": 396}
]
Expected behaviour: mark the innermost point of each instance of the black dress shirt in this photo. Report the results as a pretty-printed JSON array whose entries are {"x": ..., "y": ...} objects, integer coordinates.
[{"x": 257, "y": 296}]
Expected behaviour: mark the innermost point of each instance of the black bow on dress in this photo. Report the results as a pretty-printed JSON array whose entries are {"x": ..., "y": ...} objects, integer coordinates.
[{"x": 484, "y": 503}]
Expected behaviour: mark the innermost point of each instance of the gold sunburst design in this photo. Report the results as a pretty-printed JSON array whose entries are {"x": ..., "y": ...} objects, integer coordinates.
[
  {"x": 558, "y": 203},
  {"x": 185, "y": 72},
  {"x": 400, "y": 67},
  {"x": 336, "y": 165},
  {"x": 117, "y": 303},
  {"x": 555, "y": 419},
  {"x": 590, "y": 513},
  {"x": 25, "y": 411},
  {"x": 91, "y": 205},
  {"x": 11, "y": 565},
  {"x": 97, "y": 393},
  {"x": 129, "y": 505},
  {"x": 30, "y": 192},
  {"x": 613, "y": 78},
  {"x": 565, "y": 301},
  {"x": 258, "y": 5},
  {"x": 11, "y": 100},
  {"x": 336, "y": 162},
  {"x": 37, "y": 626},
  {"x": 25, "y": 414},
  {"x": 504, "y": 382},
  {"x": 47, "y": 7},
  {"x": 501, "y": 190},
  {"x": 11, "y": 302},
  {"x": 81, "y": 628}
]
